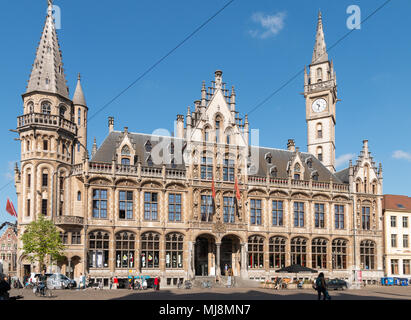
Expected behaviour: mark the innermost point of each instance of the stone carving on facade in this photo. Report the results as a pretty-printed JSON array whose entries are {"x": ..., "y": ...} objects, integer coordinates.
[
  {"x": 219, "y": 227},
  {"x": 195, "y": 171}
]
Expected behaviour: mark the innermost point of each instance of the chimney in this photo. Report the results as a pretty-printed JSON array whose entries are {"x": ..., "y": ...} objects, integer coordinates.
[
  {"x": 180, "y": 126},
  {"x": 110, "y": 124},
  {"x": 291, "y": 145}
]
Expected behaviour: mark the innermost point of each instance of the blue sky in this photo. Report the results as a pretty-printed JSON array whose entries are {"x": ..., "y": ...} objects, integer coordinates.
[{"x": 259, "y": 45}]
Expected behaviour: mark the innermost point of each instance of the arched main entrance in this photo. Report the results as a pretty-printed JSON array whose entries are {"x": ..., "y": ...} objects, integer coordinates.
[
  {"x": 204, "y": 258},
  {"x": 230, "y": 256}
]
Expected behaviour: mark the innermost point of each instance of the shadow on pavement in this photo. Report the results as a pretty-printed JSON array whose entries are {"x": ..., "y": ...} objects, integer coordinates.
[{"x": 249, "y": 295}]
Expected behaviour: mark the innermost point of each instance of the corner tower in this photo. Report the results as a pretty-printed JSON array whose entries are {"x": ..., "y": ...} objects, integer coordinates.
[
  {"x": 320, "y": 92},
  {"x": 47, "y": 133}
]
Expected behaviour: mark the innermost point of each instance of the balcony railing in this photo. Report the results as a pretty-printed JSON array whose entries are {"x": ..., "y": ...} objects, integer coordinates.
[
  {"x": 69, "y": 220},
  {"x": 298, "y": 184},
  {"x": 46, "y": 119}
]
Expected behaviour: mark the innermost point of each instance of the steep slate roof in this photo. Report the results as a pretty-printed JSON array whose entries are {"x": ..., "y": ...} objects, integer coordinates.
[
  {"x": 344, "y": 175},
  {"x": 107, "y": 150},
  {"x": 280, "y": 158},
  {"x": 47, "y": 74}
]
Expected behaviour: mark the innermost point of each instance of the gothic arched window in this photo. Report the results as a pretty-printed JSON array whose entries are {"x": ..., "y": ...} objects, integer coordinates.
[
  {"x": 46, "y": 107},
  {"x": 256, "y": 252},
  {"x": 299, "y": 251},
  {"x": 98, "y": 249},
  {"x": 277, "y": 252},
  {"x": 339, "y": 254}
]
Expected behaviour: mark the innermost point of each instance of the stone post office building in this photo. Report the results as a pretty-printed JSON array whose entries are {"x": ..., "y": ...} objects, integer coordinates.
[{"x": 144, "y": 202}]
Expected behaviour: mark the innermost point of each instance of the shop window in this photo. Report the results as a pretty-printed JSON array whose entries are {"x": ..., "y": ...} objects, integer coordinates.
[
  {"x": 99, "y": 249},
  {"x": 256, "y": 252},
  {"x": 367, "y": 255},
  {"x": 125, "y": 250},
  {"x": 277, "y": 252},
  {"x": 299, "y": 251},
  {"x": 174, "y": 251},
  {"x": 319, "y": 253},
  {"x": 150, "y": 250}
]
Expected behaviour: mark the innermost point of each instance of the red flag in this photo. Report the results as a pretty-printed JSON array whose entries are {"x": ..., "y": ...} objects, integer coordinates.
[
  {"x": 10, "y": 208},
  {"x": 213, "y": 187},
  {"x": 237, "y": 190}
]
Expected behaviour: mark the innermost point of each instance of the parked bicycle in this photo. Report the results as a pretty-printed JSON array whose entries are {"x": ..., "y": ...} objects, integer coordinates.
[{"x": 186, "y": 284}]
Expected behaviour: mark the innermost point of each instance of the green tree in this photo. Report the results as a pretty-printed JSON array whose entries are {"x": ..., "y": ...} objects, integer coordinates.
[{"x": 41, "y": 239}]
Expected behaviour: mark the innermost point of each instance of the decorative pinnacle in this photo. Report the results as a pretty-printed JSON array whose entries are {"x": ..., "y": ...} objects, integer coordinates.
[{"x": 79, "y": 76}]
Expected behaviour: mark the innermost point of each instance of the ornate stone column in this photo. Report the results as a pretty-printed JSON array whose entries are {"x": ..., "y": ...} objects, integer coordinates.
[{"x": 217, "y": 263}]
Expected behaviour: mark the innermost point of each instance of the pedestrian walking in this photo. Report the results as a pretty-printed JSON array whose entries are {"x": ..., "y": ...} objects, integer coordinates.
[
  {"x": 115, "y": 280},
  {"x": 155, "y": 283},
  {"x": 321, "y": 287},
  {"x": 158, "y": 283}
]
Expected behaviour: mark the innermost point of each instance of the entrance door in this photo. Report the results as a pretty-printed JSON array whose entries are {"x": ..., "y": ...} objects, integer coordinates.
[
  {"x": 230, "y": 255},
  {"x": 27, "y": 269},
  {"x": 201, "y": 257}
]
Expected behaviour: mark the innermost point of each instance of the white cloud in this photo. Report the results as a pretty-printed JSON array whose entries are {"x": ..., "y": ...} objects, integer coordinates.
[
  {"x": 271, "y": 25},
  {"x": 399, "y": 154},
  {"x": 343, "y": 159}
]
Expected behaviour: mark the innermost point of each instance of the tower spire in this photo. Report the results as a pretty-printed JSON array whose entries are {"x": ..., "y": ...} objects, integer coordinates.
[
  {"x": 47, "y": 74},
  {"x": 320, "y": 50},
  {"x": 78, "y": 97}
]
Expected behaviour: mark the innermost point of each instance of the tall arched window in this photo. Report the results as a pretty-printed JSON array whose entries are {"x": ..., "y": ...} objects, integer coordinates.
[
  {"x": 256, "y": 252},
  {"x": 98, "y": 253},
  {"x": 206, "y": 167},
  {"x": 277, "y": 252},
  {"x": 78, "y": 195},
  {"x": 206, "y": 134},
  {"x": 319, "y": 130},
  {"x": 320, "y": 153},
  {"x": 62, "y": 111},
  {"x": 217, "y": 129},
  {"x": 319, "y": 253},
  {"x": 299, "y": 251},
  {"x": 367, "y": 255},
  {"x": 150, "y": 250},
  {"x": 339, "y": 254},
  {"x": 30, "y": 107},
  {"x": 125, "y": 250},
  {"x": 174, "y": 250},
  {"x": 228, "y": 136},
  {"x": 319, "y": 74},
  {"x": 46, "y": 107},
  {"x": 228, "y": 168}
]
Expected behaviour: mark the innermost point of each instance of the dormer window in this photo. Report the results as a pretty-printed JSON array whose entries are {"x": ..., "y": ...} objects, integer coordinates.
[
  {"x": 273, "y": 172},
  {"x": 149, "y": 161},
  {"x": 315, "y": 176},
  {"x": 297, "y": 176},
  {"x": 297, "y": 167},
  {"x": 125, "y": 151},
  {"x": 148, "y": 146},
  {"x": 125, "y": 161},
  {"x": 310, "y": 163},
  {"x": 268, "y": 158}
]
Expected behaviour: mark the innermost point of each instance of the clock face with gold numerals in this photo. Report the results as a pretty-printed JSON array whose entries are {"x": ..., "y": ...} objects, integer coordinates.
[{"x": 319, "y": 105}]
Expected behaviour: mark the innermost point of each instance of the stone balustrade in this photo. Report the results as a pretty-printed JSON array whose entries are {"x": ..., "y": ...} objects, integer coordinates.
[
  {"x": 46, "y": 119},
  {"x": 69, "y": 220}
]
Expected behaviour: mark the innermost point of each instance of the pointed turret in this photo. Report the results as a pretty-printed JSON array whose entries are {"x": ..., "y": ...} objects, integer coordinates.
[
  {"x": 78, "y": 98},
  {"x": 94, "y": 149},
  {"x": 47, "y": 74},
  {"x": 320, "y": 50}
]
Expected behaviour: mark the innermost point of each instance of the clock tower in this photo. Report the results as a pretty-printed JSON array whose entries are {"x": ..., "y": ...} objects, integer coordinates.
[{"x": 320, "y": 92}]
